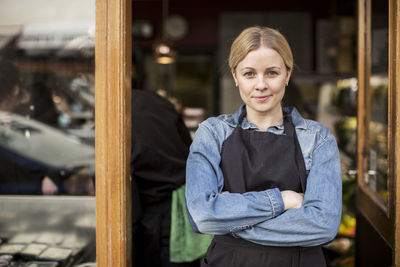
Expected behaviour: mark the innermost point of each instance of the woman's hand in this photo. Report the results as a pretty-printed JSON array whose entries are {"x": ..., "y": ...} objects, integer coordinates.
[
  {"x": 48, "y": 186},
  {"x": 292, "y": 200}
]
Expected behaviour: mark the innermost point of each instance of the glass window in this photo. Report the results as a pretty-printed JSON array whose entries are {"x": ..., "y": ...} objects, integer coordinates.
[
  {"x": 47, "y": 98},
  {"x": 47, "y": 131}
]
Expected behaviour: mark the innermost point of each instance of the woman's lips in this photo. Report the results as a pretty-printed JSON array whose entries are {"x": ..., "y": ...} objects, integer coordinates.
[{"x": 261, "y": 98}]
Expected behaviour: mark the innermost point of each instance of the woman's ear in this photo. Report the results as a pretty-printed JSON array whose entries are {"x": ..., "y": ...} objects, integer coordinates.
[
  {"x": 234, "y": 77},
  {"x": 289, "y": 73}
]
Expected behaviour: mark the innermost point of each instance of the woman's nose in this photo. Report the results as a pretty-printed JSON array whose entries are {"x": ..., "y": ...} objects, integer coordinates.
[{"x": 261, "y": 83}]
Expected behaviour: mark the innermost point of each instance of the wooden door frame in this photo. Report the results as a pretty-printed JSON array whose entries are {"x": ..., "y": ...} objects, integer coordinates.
[
  {"x": 394, "y": 82},
  {"x": 367, "y": 202},
  {"x": 384, "y": 218},
  {"x": 113, "y": 132}
]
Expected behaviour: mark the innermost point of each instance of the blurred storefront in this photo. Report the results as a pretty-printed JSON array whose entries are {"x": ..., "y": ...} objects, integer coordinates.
[{"x": 346, "y": 77}]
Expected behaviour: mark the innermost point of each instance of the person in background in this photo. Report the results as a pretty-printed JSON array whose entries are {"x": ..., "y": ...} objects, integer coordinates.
[
  {"x": 160, "y": 146},
  {"x": 264, "y": 180},
  {"x": 16, "y": 176}
]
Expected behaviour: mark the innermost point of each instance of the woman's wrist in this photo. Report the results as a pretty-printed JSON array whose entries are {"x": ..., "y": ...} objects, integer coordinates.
[{"x": 291, "y": 199}]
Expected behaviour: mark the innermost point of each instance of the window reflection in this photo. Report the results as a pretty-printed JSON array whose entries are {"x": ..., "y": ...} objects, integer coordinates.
[
  {"x": 378, "y": 130},
  {"x": 377, "y": 176},
  {"x": 47, "y": 106}
]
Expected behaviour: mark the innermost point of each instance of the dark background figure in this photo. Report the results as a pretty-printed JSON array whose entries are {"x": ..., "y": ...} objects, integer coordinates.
[
  {"x": 160, "y": 146},
  {"x": 40, "y": 105},
  {"x": 42, "y": 87},
  {"x": 19, "y": 175},
  {"x": 11, "y": 93}
]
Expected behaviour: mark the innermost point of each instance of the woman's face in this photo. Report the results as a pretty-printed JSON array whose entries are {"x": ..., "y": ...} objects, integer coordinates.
[{"x": 262, "y": 77}]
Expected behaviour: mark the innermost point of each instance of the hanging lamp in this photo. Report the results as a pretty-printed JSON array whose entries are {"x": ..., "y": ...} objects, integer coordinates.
[{"x": 163, "y": 50}]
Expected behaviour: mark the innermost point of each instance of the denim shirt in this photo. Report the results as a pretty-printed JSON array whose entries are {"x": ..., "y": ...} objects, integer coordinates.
[{"x": 259, "y": 216}]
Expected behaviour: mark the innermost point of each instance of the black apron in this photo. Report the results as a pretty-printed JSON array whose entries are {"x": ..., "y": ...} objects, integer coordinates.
[{"x": 255, "y": 161}]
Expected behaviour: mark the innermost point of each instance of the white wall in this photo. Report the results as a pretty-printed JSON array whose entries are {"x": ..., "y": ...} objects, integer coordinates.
[{"x": 19, "y": 12}]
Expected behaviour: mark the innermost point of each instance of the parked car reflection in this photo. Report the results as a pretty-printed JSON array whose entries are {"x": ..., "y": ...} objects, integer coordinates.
[{"x": 35, "y": 150}]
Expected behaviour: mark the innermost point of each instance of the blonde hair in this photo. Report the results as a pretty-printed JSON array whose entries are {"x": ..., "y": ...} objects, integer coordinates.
[{"x": 253, "y": 38}]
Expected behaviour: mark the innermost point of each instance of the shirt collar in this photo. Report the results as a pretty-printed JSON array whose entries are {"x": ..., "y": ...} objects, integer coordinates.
[{"x": 298, "y": 120}]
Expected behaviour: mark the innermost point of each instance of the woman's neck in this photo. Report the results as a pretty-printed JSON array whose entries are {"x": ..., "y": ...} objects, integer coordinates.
[{"x": 265, "y": 120}]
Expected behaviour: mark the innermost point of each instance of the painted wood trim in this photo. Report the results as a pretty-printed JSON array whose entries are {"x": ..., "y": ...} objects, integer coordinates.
[{"x": 113, "y": 132}]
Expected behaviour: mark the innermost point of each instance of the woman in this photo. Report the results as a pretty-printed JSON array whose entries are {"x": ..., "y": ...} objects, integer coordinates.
[{"x": 264, "y": 180}]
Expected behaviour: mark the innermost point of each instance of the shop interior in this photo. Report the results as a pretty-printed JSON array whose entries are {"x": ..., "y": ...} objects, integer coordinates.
[{"x": 180, "y": 50}]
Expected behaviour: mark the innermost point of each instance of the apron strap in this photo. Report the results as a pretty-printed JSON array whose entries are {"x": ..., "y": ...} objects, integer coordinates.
[
  {"x": 241, "y": 117},
  {"x": 301, "y": 166},
  {"x": 288, "y": 127}
]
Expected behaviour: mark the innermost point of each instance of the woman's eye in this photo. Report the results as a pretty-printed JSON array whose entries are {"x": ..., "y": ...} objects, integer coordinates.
[
  {"x": 272, "y": 73},
  {"x": 248, "y": 74}
]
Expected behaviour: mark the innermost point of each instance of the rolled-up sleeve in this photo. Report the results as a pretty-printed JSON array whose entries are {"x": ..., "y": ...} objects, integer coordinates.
[
  {"x": 210, "y": 211},
  {"x": 318, "y": 220}
]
